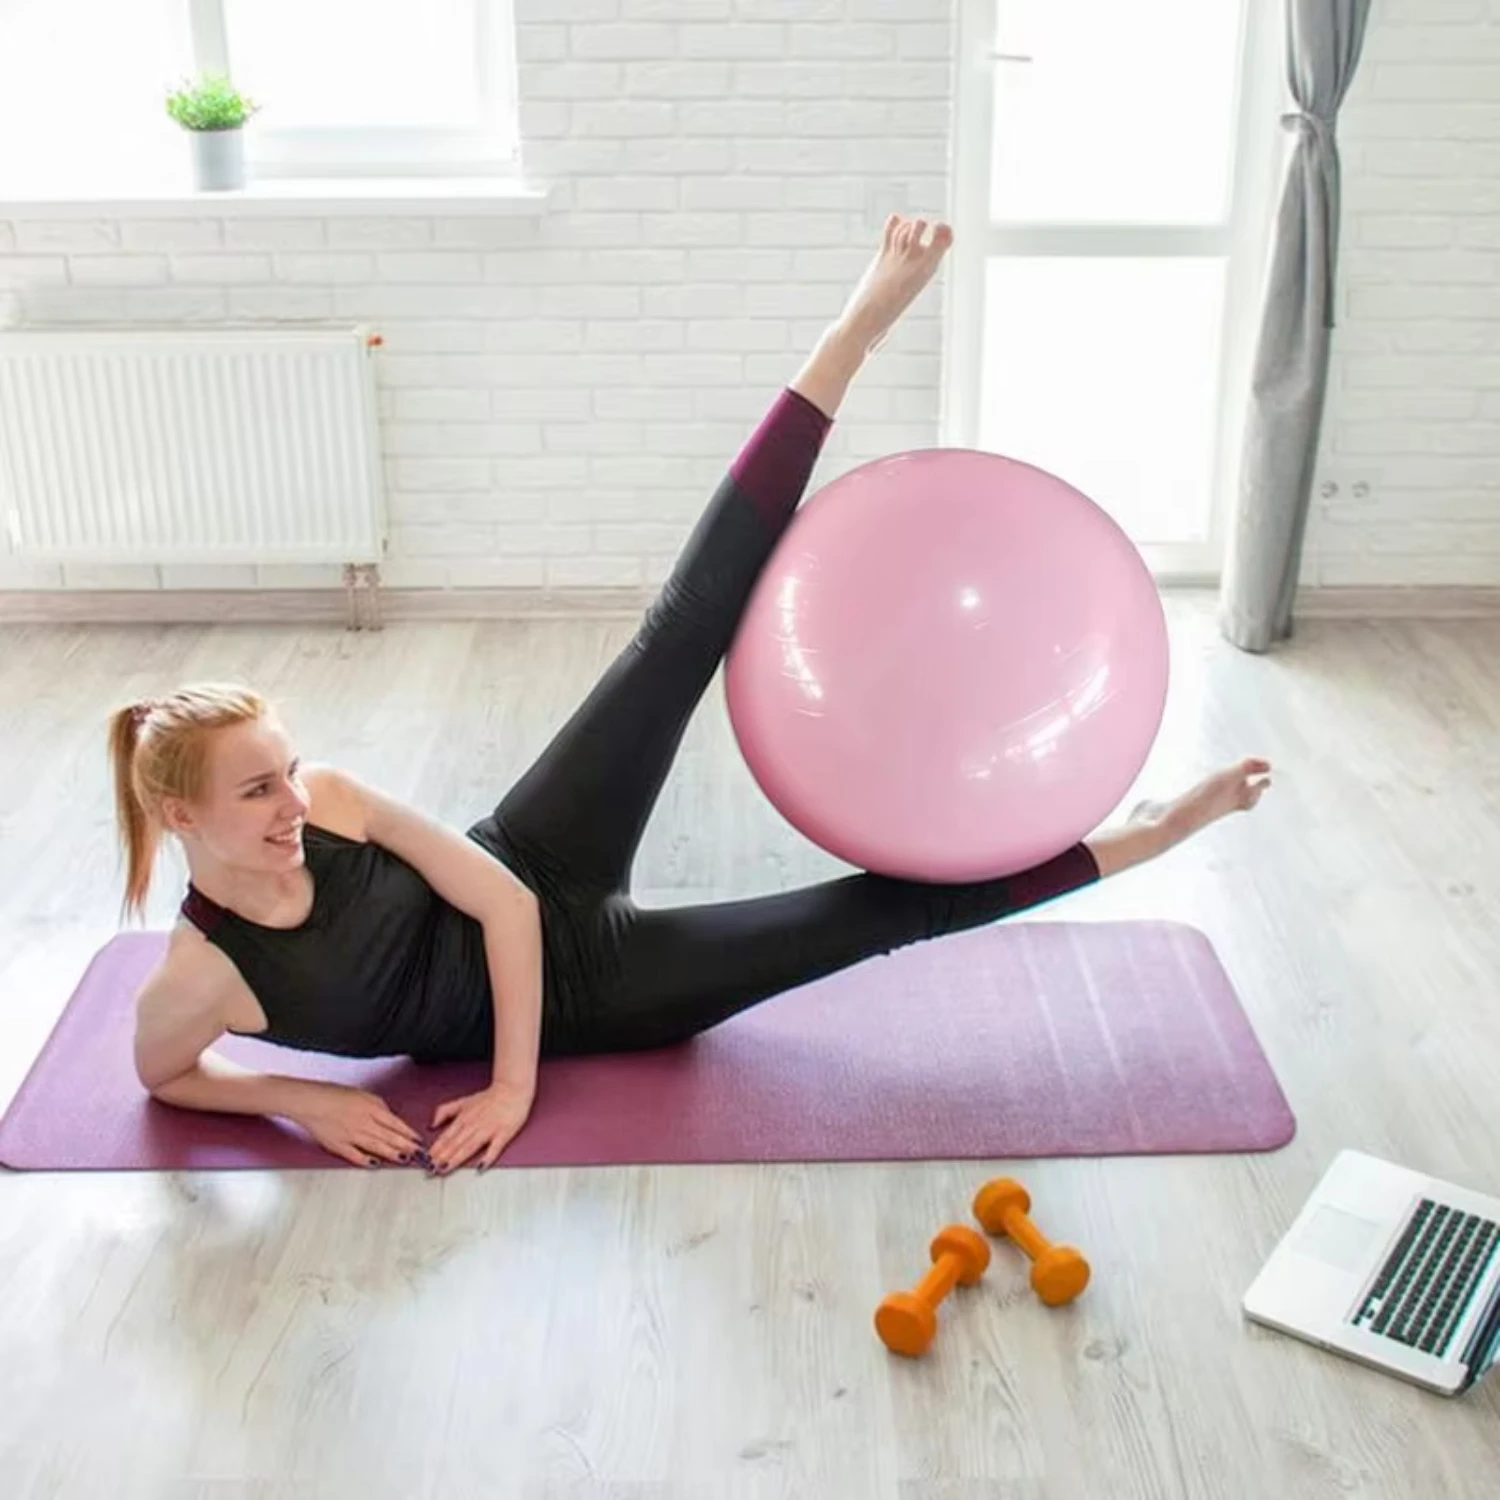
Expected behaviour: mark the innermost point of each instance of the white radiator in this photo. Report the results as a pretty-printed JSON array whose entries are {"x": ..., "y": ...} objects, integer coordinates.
[{"x": 219, "y": 446}]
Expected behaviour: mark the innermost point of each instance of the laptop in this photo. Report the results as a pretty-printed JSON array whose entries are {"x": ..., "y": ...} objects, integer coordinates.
[{"x": 1392, "y": 1268}]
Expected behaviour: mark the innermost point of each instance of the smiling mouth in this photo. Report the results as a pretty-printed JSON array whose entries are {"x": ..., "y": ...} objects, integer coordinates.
[{"x": 288, "y": 840}]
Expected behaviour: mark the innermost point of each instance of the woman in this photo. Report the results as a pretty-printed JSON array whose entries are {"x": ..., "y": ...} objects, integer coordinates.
[{"x": 322, "y": 914}]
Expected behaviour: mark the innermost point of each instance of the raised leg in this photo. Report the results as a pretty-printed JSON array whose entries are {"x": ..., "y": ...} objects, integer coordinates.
[{"x": 577, "y": 815}]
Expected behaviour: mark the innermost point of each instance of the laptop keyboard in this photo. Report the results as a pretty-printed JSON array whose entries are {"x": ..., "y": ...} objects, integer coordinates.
[{"x": 1427, "y": 1282}]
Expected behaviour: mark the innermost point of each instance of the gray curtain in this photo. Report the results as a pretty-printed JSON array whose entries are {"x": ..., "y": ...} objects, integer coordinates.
[{"x": 1290, "y": 372}]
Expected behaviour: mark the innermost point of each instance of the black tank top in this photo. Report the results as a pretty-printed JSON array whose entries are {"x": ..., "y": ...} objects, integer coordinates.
[{"x": 382, "y": 967}]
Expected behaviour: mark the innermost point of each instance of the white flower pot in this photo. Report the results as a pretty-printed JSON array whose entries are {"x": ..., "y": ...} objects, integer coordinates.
[{"x": 218, "y": 160}]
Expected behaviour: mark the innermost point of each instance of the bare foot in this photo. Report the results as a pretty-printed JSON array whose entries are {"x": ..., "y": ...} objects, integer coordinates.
[
  {"x": 1236, "y": 788},
  {"x": 906, "y": 261}
]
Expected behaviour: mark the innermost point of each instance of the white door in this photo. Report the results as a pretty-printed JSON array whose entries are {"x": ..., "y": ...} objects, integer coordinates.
[{"x": 1112, "y": 182}]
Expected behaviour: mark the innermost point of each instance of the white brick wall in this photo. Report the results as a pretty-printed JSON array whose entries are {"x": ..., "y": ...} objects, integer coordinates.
[
  {"x": 1412, "y": 428},
  {"x": 560, "y": 393}
]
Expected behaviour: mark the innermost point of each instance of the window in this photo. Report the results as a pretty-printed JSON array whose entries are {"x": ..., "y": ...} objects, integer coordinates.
[
  {"x": 374, "y": 85},
  {"x": 346, "y": 87},
  {"x": 1107, "y": 197}
]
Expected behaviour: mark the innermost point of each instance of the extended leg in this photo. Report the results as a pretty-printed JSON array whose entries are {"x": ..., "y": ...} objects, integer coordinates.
[
  {"x": 681, "y": 970},
  {"x": 579, "y": 812},
  {"x": 684, "y": 969}
]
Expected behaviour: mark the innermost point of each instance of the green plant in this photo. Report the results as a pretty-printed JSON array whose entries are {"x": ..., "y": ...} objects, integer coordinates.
[{"x": 212, "y": 103}]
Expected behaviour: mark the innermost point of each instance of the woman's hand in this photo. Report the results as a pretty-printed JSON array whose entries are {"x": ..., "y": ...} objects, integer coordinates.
[
  {"x": 485, "y": 1123},
  {"x": 356, "y": 1125}
]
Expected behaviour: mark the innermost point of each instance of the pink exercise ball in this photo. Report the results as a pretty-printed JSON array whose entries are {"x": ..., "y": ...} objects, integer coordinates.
[{"x": 952, "y": 667}]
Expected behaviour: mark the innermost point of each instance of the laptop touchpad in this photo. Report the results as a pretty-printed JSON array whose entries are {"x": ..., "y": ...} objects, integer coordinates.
[{"x": 1338, "y": 1239}]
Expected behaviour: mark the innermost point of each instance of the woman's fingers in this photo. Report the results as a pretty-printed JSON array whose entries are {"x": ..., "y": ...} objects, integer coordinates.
[
  {"x": 396, "y": 1124},
  {"x": 384, "y": 1115},
  {"x": 453, "y": 1153},
  {"x": 462, "y": 1147},
  {"x": 383, "y": 1145},
  {"x": 399, "y": 1143},
  {"x": 373, "y": 1144},
  {"x": 446, "y": 1137},
  {"x": 384, "y": 1129}
]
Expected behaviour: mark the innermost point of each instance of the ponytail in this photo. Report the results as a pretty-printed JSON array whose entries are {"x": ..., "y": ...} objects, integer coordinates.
[
  {"x": 139, "y": 835},
  {"x": 159, "y": 749}
]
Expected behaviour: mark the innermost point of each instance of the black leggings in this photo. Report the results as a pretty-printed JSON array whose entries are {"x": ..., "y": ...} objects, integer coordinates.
[{"x": 619, "y": 976}]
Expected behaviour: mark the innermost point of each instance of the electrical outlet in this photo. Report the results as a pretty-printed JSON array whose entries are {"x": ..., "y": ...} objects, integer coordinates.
[{"x": 1340, "y": 484}]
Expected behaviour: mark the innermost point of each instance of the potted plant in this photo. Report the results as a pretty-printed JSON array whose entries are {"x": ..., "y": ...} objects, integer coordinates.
[{"x": 213, "y": 112}]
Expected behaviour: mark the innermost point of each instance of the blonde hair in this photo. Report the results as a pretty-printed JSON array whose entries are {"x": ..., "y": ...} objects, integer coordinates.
[{"x": 158, "y": 748}]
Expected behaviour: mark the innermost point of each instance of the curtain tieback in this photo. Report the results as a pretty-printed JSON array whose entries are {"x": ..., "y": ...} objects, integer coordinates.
[{"x": 1318, "y": 130}]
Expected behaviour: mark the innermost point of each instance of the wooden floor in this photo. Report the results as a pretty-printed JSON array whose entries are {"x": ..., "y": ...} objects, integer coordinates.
[{"x": 706, "y": 1331}]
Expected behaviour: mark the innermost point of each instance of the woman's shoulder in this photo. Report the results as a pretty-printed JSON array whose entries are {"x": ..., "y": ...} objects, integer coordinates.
[
  {"x": 190, "y": 974},
  {"x": 195, "y": 979},
  {"x": 336, "y": 802}
]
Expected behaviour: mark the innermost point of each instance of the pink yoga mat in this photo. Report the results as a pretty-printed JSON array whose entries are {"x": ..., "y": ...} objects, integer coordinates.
[{"x": 1016, "y": 1040}]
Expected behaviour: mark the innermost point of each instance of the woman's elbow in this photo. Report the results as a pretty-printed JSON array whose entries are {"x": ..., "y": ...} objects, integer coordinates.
[
  {"x": 507, "y": 900},
  {"x": 172, "y": 1032},
  {"x": 158, "y": 1068},
  {"x": 155, "y": 1079}
]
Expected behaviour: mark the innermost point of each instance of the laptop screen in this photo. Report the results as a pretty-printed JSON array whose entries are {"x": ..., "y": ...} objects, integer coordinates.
[{"x": 1485, "y": 1346}]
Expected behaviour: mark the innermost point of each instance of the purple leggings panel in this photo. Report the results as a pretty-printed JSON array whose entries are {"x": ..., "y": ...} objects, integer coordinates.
[{"x": 772, "y": 468}]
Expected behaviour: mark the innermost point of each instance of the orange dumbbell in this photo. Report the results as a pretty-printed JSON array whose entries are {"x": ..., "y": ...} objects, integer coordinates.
[
  {"x": 907, "y": 1321},
  {"x": 1058, "y": 1272}
]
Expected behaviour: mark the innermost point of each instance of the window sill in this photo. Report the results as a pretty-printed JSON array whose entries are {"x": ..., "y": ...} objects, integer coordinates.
[{"x": 386, "y": 196}]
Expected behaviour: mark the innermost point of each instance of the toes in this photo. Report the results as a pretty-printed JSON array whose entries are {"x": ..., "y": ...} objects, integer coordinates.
[{"x": 911, "y": 237}]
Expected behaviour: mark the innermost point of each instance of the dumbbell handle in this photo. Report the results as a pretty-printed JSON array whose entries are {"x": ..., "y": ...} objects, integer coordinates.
[
  {"x": 1019, "y": 1227},
  {"x": 942, "y": 1276}
]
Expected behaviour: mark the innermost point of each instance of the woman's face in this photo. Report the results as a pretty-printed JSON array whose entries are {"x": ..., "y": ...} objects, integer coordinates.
[{"x": 254, "y": 801}]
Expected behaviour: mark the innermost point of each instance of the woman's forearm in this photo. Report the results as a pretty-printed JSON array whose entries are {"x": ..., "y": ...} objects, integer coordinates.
[
  {"x": 513, "y": 952},
  {"x": 216, "y": 1085}
]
